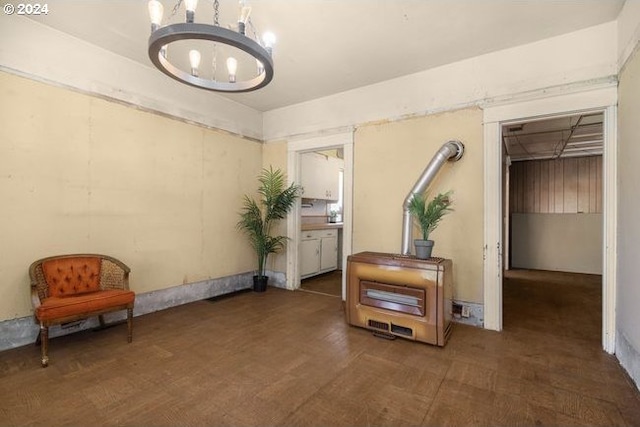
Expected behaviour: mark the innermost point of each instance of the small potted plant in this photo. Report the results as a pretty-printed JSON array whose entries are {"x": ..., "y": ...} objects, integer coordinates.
[
  {"x": 333, "y": 215},
  {"x": 427, "y": 216},
  {"x": 257, "y": 218}
]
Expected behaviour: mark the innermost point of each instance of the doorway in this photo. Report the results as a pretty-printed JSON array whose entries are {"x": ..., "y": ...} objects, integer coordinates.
[
  {"x": 342, "y": 141},
  {"x": 599, "y": 98},
  {"x": 553, "y": 193},
  {"x": 552, "y": 282},
  {"x": 320, "y": 250}
]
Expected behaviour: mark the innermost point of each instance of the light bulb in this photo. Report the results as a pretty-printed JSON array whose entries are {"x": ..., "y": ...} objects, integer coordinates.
[
  {"x": 269, "y": 39},
  {"x": 194, "y": 59},
  {"x": 155, "y": 13},
  {"x": 190, "y": 5},
  {"x": 245, "y": 11},
  {"x": 232, "y": 67},
  {"x": 260, "y": 67}
]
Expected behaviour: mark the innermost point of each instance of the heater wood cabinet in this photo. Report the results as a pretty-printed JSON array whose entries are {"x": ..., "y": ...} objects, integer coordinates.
[
  {"x": 318, "y": 252},
  {"x": 320, "y": 177},
  {"x": 395, "y": 295}
]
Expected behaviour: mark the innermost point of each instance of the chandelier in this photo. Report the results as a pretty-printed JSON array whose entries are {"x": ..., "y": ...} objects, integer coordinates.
[{"x": 249, "y": 63}]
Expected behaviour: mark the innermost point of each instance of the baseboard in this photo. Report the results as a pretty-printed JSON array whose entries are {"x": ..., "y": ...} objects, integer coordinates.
[
  {"x": 277, "y": 279},
  {"x": 475, "y": 311},
  {"x": 23, "y": 331},
  {"x": 629, "y": 357}
]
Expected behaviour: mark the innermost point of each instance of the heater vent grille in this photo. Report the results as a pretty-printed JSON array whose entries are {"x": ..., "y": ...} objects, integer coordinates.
[
  {"x": 404, "y": 299},
  {"x": 378, "y": 325},
  {"x": 402, "y": 330}
]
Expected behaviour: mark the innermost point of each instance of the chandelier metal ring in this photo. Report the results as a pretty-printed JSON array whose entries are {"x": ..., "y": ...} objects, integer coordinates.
[{"x": 192, "y": 31}]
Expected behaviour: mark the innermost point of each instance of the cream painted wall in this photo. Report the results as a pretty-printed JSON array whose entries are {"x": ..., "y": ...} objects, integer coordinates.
[
  {"x": 81, "y": 174},
  {"x": 275, "y": 155},
  {"x": 390, "y": 157},
  {"x": 628, "y": 294},
  {"x": 557, "y": 242}
]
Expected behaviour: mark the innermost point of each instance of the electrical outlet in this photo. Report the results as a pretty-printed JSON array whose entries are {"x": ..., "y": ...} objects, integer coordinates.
[
  {"x": 456, "y": 309},
  {"x": 466, "y": 311}
]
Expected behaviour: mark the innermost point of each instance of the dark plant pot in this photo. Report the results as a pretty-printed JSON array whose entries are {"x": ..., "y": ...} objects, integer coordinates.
[
  {"x": 260, "y": 283},
  {"x": 423, "y": 248}
]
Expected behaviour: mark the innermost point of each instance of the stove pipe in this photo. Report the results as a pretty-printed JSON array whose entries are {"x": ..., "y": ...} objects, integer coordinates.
[{"x": 450, "y": 151}]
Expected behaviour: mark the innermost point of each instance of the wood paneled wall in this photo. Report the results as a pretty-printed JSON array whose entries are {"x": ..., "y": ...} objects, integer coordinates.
[{"x": 572, "y": 185}]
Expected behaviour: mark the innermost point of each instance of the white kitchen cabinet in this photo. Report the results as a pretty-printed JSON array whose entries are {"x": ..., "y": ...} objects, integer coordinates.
[
  {"x": 328, "y": 253},
  {"x": 309, "y": 256},
  {"x": 318, "y": 252},
  {"x": 320, "y": 176}
]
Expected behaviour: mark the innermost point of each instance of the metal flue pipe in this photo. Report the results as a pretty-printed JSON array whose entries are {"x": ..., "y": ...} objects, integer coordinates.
[{"x": 450, "y": 151}]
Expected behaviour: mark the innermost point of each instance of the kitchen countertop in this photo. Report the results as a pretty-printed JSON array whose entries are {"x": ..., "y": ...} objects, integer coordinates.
[{"x": 321, "y": 226}]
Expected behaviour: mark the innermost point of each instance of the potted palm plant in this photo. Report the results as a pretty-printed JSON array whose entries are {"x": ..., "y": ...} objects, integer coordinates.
[
  {"x": 257, "y": 218},
  {"x": 427, "y": 216}
]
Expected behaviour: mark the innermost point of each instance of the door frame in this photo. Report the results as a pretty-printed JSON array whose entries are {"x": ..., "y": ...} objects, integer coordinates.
[
  {"x": 600, "y": 98},
  {"x": 295, "y": 148}
]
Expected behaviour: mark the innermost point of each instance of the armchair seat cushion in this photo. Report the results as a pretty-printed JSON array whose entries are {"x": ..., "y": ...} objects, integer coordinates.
[{"x": 55, "y": 308}]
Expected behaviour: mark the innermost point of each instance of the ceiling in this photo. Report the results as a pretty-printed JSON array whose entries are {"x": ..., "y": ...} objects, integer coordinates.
[
  {"x": 330, "y": 46},
  {"x": 574, "y": 136}
]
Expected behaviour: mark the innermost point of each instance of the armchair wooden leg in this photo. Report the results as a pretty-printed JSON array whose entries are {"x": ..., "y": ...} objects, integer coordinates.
[
  {"x": 44, "y": 345},
  {"x": 130, "y": 324}
]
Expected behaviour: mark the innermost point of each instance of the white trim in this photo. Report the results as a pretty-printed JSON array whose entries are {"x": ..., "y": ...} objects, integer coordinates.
[
  {"x": 294, "y": 149},
  {"x": 293, "y": 224},
  {"x": 596, "y": 99},
  {"x": 347, "y": 216},
  {"x": 610, "y": 215},
  {"x": 492, "y": 227}
]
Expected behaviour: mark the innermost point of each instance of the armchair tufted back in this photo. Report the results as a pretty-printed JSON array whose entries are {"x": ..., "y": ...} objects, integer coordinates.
[{"x": 72, "y": 276}]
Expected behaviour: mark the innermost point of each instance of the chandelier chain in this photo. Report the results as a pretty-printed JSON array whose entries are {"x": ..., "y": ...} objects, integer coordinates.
[
  {"x": 253, "y": 30},
  {"x": 216, "y": 22},
  {"x": 175, "y": 10}
]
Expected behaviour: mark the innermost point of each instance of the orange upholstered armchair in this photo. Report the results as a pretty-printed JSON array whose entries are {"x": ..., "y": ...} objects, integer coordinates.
[{"x": 68, "y": 288}]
